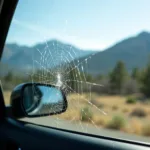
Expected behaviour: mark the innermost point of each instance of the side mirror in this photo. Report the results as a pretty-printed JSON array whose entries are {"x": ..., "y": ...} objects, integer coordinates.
[{"x": 36, "y": 99}]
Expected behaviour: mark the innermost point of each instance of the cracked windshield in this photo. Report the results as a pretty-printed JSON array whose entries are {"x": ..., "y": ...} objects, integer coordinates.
[{"x": 98, "y": 52}]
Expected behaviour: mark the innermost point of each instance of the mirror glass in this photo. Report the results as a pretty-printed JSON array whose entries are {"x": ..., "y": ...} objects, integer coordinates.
[{"x": 42, "y": 100}]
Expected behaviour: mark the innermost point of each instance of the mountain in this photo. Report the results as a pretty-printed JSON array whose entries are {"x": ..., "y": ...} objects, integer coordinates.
[
  {"x": 133, "y": 51},
  {"x": 49, "y": 54}
]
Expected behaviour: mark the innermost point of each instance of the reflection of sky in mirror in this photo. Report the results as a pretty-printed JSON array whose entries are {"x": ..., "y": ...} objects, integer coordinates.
[{"x": 50, "y": 94}]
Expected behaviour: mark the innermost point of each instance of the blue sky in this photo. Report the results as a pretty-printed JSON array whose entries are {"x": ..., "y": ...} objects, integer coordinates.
[{"x": 87, "y": 24}]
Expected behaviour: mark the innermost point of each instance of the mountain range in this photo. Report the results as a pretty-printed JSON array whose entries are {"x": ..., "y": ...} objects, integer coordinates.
[
  {"x": 20, "y": 56},
  {"x": 133, "y": 51}
]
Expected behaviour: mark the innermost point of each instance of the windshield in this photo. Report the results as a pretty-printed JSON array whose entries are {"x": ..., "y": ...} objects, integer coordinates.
[{"x": 96, "y": 51}]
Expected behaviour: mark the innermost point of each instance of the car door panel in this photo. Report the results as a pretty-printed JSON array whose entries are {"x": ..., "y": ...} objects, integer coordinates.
[{"x": 30, "y": 136}]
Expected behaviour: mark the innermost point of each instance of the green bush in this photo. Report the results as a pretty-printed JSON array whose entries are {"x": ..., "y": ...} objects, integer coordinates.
[
  {"x": 86, "y": 114},
  {"x": 117, "y": 123},
  {"x": 131, "y": 100}
]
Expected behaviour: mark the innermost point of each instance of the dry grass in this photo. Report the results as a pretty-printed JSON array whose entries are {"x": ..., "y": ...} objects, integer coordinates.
[
  {"x": 101, "y": 120},
  {"x": 111, "y": 105},
  {"x": 135, "y": 126},
  {"x": 7, "y": 97},
  {"x": 115, "y": 107},
  {"x": 71, "y": 115},
  {"x": 125, "y": 110},
  {"x": 146, "y": 129}
]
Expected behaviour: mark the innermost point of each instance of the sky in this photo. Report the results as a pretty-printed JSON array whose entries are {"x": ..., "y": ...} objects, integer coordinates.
[{"x": 87, "y": 24}]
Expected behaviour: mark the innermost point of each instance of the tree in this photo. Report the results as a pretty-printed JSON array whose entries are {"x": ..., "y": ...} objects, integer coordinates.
[
  {"x": 77, "y": 80},
  {"x": 73, "y": 78},
  {"x": 89, "y": 78},
  {"x": 145, "y": 80},
  {"x": 117, "y": 78},
  {"x": 135, "y": 73},
  {"x": 99, "y": 77},
  {"x": 9, "y": 76}
]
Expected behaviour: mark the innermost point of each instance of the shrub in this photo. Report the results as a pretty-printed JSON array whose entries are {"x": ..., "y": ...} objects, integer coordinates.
[
  {"x": 131, "y": 100},
  {"x": 114, "y": 107},
  {"x": 138, "y": 112},
  {"x": 117, "y": 122},
  {"x": 146, "y": 130},
  {"x": 86, "y": 114}
]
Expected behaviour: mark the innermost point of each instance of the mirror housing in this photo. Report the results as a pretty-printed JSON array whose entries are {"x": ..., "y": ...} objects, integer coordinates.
[{"x": 27, "y": 102}]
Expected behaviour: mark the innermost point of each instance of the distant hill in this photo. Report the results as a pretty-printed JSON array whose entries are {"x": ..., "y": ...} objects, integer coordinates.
[
  {"x": 133, "y": 51},
  {"x": 49, "y": 54}
]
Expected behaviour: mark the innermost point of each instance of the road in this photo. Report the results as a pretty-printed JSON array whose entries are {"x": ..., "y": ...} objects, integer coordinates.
[{"x": 86, "y": 128}]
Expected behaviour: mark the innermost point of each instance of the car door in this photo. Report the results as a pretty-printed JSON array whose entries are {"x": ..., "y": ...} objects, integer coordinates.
[{"x": 38, "y": 134}]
